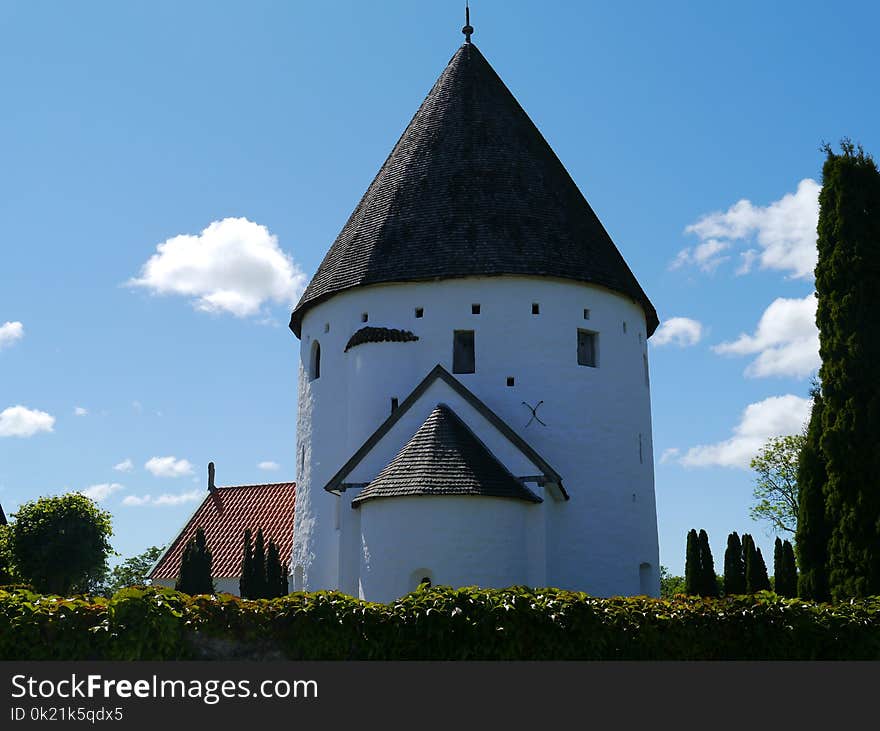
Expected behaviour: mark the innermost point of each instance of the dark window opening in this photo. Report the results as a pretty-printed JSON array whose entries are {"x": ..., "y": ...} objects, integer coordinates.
[
  {"x": 420, "y": 312},
  {"x": 463, "y": 356},
  {"x": 510, "y": 380},
  {"x": 586, "y": 352},
  {"x": 315, "y": 362},
  {"x": 326, "y": 327},
  {"x": 647, "y": 377},
  {"x": 475, "y": 309},
  {"x": 586, "y": 314},
  {"x": 536, "y": 308},
  {"x": 394, "y": 404},
  {"x": 365, "y": 316},
  {"x": 624, "y": 326}
]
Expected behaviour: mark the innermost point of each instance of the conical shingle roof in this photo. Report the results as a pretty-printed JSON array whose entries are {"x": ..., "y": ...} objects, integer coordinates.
[
  {"x": 471, "y": 189},
  {"x": 444, "y": 457}
]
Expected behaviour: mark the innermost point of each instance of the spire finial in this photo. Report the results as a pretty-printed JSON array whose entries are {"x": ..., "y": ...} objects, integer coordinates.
[{"x": 468, "y": 29}]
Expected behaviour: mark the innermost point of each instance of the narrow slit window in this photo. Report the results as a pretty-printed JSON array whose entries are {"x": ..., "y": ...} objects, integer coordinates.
[
  {"x": 647, "y": 377},
  {"x": 394, "y": 404},
  {"x": 420, "y": 312},
  {"x": 624, "y": 325},
  {"x": 586, "y": 348},
  {"x": 536, "y": 308},
  {"x": 586, "y": 313},
  {"x": 510, "y": 381},
  {"x": 463, "y": 355},
  {"x": 315, "y": 361},
  {"x": 326, "y": 327},
  {"x": 475, "y": 309},
  {"x": 365, "y": 316}
]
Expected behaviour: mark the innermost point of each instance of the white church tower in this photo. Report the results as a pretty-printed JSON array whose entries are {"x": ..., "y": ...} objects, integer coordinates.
[{"x": 474, "y": 402}]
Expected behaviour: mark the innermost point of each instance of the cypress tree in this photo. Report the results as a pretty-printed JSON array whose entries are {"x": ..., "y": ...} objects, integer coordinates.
[
  {"x": 245, "y": 583},
  {"x": 790, "y": 565},
  {"x": 692, "y": 568},
  {"x": 749, "y": 564},
  {"x": 779, "y": 577},
  {"x": 734, "y": 568},
  {"x": 259, "y": 587},
  {"x": 761, "y": 579},
  {"x": 812, "y": 528},
  {"x": 195, "y": 566},
  {"x": 848, "y": 290},
  {"x": 276, "y": 576},
  {"x": 708, "y": 580}
]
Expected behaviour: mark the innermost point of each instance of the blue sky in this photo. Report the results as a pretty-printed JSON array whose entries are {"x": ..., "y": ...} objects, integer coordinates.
[{"x": 692, "y": 128}]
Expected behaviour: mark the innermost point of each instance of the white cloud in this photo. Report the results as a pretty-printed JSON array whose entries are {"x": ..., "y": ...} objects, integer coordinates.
[
  {"x": 101, "y": 492},
  {"x": 80, "y": 411},
  {"x": 786, "y": 340},
  {"x": 137, "y": 406},
  {"x": 164, "y": 499},
  {"x": 669, "y": 455},
  {"x": 784, "y": 231},
  {"x": 168, "y": 467},
  {"x": 18, "y": 421},
  {"x": 269, "y": 466},
  {"x": 125, "y": 466},
  {"x": 10, "y": 332},
  {"x": 774, "y": 416},
  {"x": 234, "y": 265},
  {"x": 680, "y": 331}
]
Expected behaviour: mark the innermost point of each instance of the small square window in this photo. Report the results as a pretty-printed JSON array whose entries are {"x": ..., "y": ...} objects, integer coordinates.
[
  {"x": 394, "y": 404},
  {"x": 510, "y": 381},
  {"x": 586, "y": 348},
  {"x": 586, "y": 313},
  {"x": 365, "y": 316},
  {"x": 475, "y": 309},
  {"x": 420, "y": 312},
  {"x": 536, "y": 308}
]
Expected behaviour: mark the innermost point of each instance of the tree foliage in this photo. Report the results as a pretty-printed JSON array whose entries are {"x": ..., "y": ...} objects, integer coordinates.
[
  {"x": 131, "y": 572},
  {"x": 276, "y": 573},
  {"x": 848, "y": 291},
  {"x": 263, "y": 574},
  {"x": 195, "y": 566},
  {"x": 734, "y": 567},
  {"x": 670, "y": 585},
  {"x": 776, "y": 483},
  {"x": 60, "y": 544},
  {"x": 246, "y": 580},
  {"x": 699, "y": 568}
]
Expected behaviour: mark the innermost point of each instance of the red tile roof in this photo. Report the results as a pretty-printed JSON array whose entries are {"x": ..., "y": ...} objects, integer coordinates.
[{"x": 224, "y": 515}]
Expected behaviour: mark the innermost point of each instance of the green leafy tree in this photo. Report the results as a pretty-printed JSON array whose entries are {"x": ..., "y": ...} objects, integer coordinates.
[
  {"x": 60, "y": 544},
  {"x": 813, "y": 530},
  {"x": 734, "y": 567},
  {"x": 195, "y": 566},
  {"x": 670, "y": 585},
  {"x": 848, "y": 291},
  {"x": 245, "y": 583},
  {"x": 7, "y": 565},
  {"x": 131, "y": 572},
  {"x": 776, "y": 484},
  {"x": 708, "y": 579}
]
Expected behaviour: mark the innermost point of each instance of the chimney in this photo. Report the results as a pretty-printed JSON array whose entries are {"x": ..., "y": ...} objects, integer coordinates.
[{"x": 211, "y": 486}]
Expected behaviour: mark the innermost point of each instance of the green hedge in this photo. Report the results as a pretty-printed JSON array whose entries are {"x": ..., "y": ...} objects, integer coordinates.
[{"x": 435, "y": 624}]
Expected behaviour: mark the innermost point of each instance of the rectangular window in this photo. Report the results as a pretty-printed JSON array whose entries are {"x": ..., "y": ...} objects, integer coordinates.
[
  {"x": 510, "y": 381},
  {"x": 475, "y": 309},
  {"x": 394, "y": 404},
  {"x": 587, "y": 348},
  {"x": 536, "y": 308},
  {"x": 463, "y": 358},
  {"x": 586, "y": 314},
  {"x": 364, "y": 317},
  {"x": 420, "y": 312}
]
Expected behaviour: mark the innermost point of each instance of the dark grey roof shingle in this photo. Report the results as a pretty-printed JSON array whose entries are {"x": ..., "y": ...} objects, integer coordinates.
[
  {"x": 380, "y": 335},
  {"x": 444, "y": 457},
  {"x": 471, "y": 189}
]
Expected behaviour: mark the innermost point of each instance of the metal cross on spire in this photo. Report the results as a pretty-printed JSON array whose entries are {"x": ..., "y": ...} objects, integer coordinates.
[{"x": 468, "y": 28}]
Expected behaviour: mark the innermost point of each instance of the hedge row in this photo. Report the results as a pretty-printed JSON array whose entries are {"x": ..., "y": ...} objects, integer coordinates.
[{"x": 434, "y": 624}]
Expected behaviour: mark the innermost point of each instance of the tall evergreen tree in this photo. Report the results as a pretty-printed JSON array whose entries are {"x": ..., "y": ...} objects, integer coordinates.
[
  {"x": 259, "y": 587},
  {"x": 708, "y": 580},
  {"x": 778, "y": 569},
  {"x": 245, "y": 583},
  {"x": 791, "y": 575},
  {"x": 759, "y": 572},
  {"x": 749, "y": 563},
  {"x": 734, "y": 568},
  {"x": 195, "y": 566},
  {"x": 848, "y": 290},
  {"x": 812, "y": 527},
  {"x": 692, "y": 565},
  {"x": 276, "y": 575}
]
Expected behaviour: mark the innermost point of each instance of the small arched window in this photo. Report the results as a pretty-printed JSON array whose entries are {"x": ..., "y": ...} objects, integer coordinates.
[{"x": 315, "y": 361}]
